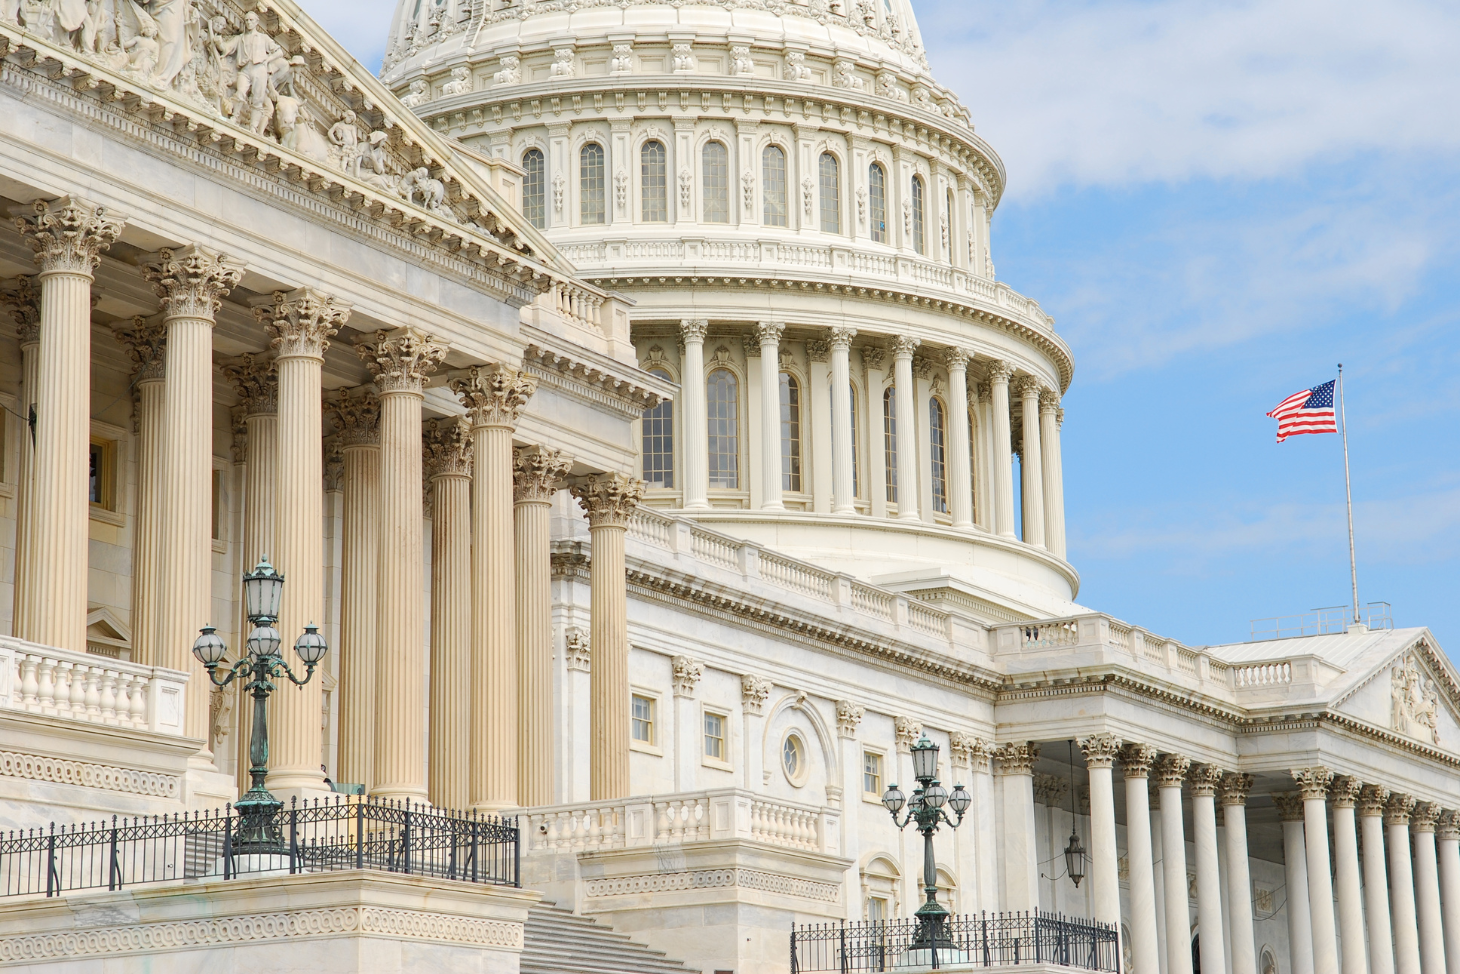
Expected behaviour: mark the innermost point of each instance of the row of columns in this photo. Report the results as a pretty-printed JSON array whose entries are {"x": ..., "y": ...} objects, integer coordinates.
[{"x": 1043, "y": 482}]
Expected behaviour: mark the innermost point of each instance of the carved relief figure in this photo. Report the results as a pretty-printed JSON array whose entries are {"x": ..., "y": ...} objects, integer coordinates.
[
  {"x": 254, "y": 54},
  {"x": 1414, "y": 703},
  {"x": 419, "y": 182},
  {"x": 345, "y": 137}
]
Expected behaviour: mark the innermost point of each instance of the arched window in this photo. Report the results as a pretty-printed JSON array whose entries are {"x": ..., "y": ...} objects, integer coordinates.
[
  {"x": 590, "y": 184},
  {"x": 877, "y": 202},
  {"x": 653, "y": 182},
  {"x": 658, "y": 441},
  {"x": 831, "y": 194},
  {"x": 790, "y": 433},
  {"x": 715, "y": 160},
  {"x": 889, "y": 442},
  {"x": 918, "y": 203},
  {"x": 938, "y": 451},
  {"x": 723, "y": 406},
  {"x": 773, "y": 185},
  {"x": 534, "y": 188}
]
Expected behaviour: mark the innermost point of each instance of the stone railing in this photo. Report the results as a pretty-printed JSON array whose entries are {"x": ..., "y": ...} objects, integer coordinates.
[
  {"x": 52, "y": 682},
  {"x": 678, "y": 819}
]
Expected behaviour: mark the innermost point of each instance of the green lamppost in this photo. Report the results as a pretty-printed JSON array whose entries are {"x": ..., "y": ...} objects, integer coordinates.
[
  {"x": 926, "y": 809},
  {"x": 258, "y": 809}
]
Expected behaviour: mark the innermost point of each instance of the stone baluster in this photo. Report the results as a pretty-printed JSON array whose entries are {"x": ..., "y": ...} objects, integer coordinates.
[{"x": 448, "y": 466}]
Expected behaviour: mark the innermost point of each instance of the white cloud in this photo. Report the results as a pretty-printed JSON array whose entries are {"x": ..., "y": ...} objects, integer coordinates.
[
  {"x": 359, "y": 25},
  {"x": 1125, "y": 92}
]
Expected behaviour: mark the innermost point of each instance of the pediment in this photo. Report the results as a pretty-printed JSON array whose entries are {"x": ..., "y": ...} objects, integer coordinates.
[
  {"x": 1413, "y": 692},
  {"x": 265, "y": 84},
  {"x": 104, "y": 624}
]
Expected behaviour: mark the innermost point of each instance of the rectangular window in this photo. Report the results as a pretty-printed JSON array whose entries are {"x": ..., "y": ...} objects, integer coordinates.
[
  {"x": 877, "y": 203},
  {"x": 876, "y": 909},
  {"x": 723, "y": 410},
  {"x": 534, "y": 188},
  {"x": 591, "y": 184},
  {"x": 938, "y": 442},
  {"x": 658, "y": 441},
  {"x": 716, "y": 182},
  {"x": 831, "y": 194},
  {"x": 872, "y": 773},
  {"x": 102, "y": 476},
  {"x": 773, "y": 186},
  {"x": 715, "y": 736},
  {"x": 790, "y": 433},
  {"x": 642, "y": 721},
  {"x": 889, "y": 442},
  {"x": 654, "y": 185}
]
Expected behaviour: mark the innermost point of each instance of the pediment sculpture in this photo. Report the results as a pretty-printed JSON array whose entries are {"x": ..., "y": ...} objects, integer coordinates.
[{"x": 1415, "y": 702}]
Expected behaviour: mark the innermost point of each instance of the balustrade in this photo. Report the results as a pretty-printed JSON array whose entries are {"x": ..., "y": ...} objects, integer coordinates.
[{"x": 93, "y": 689}]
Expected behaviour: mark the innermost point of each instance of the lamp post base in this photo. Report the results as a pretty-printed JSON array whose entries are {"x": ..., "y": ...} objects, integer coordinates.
[{"x": 258, "y": 829}]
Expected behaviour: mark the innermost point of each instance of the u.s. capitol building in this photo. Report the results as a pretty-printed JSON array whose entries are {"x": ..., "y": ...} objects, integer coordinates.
[{"x": 626, "y": 392}]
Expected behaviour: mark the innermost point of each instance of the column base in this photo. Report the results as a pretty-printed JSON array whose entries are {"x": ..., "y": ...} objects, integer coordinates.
[
  {"x": 208, "y": 788},
  {"x": 774, "y": 506},
  {"x": 295, "y": 784}
]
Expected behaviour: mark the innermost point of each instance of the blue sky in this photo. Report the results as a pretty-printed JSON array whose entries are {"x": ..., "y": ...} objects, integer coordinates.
[{"x": 1218, "y": 202}]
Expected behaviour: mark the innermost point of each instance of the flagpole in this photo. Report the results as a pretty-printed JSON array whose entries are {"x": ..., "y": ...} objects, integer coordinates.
[{"x": 1348, "y": 490}]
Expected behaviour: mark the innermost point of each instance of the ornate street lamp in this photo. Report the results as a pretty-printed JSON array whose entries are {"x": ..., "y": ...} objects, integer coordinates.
[
  {"x": 926, "y": 809},
  {"x": 258, "y": 830}
]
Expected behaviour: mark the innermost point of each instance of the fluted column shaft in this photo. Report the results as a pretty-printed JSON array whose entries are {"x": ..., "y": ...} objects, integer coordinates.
[
  {"x": 1031, "y": 467},
  {"x": 1401, "y": 886},
  {"x": 960, "y": 481},
  {"x": 1427, "y": 891},
  {"x": 843, "y": 496},
  {"x": 146, "y": 345},
  {"x": 1171, "y": 770},
  {"x": 400, "y": 360},
  {"x": 1137, "y": 760},
  {"x": 1243, "y": 947},
  {"x": 67, "y": 237},
  {"x": 1100, "y": 752},
  {"x": 768, "y": 334},
  {"x": 26, "y": 310},
  {"x": 1295, "y": 875},
  {"x": 537, "y": 475},
  {"x": 1347, "y": 885},
  {"x": 1003, "y": 450},
  {"x": 694, "y": 418},
  {"x": 609, "y": 500},
  {"x": 1054, "y": 476},
  {"x": 448, "y": 460},
  {"x": 907, "y": 429},
  {"x": 493, "y": 397},
  {"x": 1447, "y": 841},
  {"x": 1372, "y": 801},
  {"x": 1314, "y": 783},
  {"x": 1204, "y": 783},
  {"x": 1021, "y": 860}
]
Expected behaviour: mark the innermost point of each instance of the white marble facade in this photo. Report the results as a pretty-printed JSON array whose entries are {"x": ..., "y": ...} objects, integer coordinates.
[{"x": 526, "y": 363}]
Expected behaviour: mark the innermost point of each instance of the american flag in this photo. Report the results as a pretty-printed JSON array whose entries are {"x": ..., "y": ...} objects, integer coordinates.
[{"x": 1309, "y": 411}]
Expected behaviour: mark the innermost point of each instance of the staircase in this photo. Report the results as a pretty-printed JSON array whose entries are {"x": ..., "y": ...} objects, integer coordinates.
[{"x": 557, "y": 941}]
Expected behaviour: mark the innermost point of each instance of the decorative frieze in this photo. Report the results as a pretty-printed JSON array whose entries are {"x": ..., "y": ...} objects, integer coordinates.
[
  {"x": 754, "y": 691},
  {"x": 301, "y": 322},
  {"x": 401, "y": 359},
  {"x": 192, "y": 281},
  {"x": 538, "y": 472},
  {"x": 848, "y": 716},
  {"x": 69, "y": 234},
  {"x": 756, "y": 879},
  {"x": 1414, "y": 702},
  {"x": 38, "y": 767}
]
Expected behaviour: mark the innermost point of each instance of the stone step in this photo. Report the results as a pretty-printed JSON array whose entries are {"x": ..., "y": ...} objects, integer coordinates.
[{"x": 558, "y": 941}]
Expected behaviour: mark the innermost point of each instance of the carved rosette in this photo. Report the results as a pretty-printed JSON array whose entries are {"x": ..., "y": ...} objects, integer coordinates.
[
  {"x": 1313, "y": 782},
  {"x": 848, "y": 716},
  {"x": 1100, "y": 750},
  {"x": 446, "y": 448},
  {"x": 956, "y": 359},
  {"x": 686, "y": 674},
  {"x": 1397, "y": 810},
  {"x": 24, "y": 299},
  {"x": 908, "y": 731},
  {"x": 1373, "y": 800},
  {"x": 970, "y": 751},
  {"x": 1290, "y": 806},
  {"x": 1171, "y": 770},
  {"x": 494, "y": 394},
  {"x": 1136, "y": 760},
  {"x": 873, "y": 357},
  {"x": 903, "y": 346},
  {"x": 694, "y": 329},
  {"x": 356, "y": 414},
  {"x": 192, "y": 281},
  {"x": 1344, "y": 792},
  {"x": 68, "y": 234},
  {"x": 301, "y": 322},
  {"x": 146, "y": 345},
  {"x": 575, "y": 646},
  {"x": 538, "y": 472},
  {"x": 1000, "y": 371},
  {"x": 1205, "y": 780},
  {"x": 754, "y": 690},
  {"x": 608, "y": 498},
  {"x": 1017, "y": 758},
  {"x": 255, "y": 379},
  {"x": 401, "y": 359},
  {"x": 1425, "y": 815},
  {"x": 1235, "y": 787}
]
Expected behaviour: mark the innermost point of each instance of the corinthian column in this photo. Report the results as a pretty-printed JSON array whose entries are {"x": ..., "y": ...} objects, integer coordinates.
[
  {"x": 1003, "y": 447},
  {"x": 400, "y": 360},
  {"x": 609, "y": 499},
  {"x": 1427, "y": 889},
  {"x": 357, "y": 417},
  {"x": 694, "y": 418},
  {"x": 25, "y": 308},
  {"x": 843, "y": 494},
  {"x": 1401, "y": 885},
  {"x": 1373, "y": 800},
  {"x": 1448, "y": 850},
  {"x": 537, "y": 474},
  {"x": 448, "y": 462},
  {"x": 145, "y": 344},
  {"x": 191, "y": 283},
  {"x": 1204, "y": 783},
  {"x": 906, "y": 426},
  {"x": 1344, "y": 793},
  {"x": 960, "y": 481},
  {"x": 68, "y": 236},
  {"x": 1050, "y": 417},
  {"x": 1032, "y": 470},
  {"x": 768, "y": 334},
  {"x": 1021, "y": 865},
  {"x": 493, "y": 397},
  {"x": 1100, "y": 751},
  {"x": 1171, "y": 771},
  {"x": 300, "y": 324},
  {"x": 1239, "y": 882},
  {"x": 1295, "y": 874},
  {"x": 1313, "y": 784},
  {"x": 1136, "y": 760}
]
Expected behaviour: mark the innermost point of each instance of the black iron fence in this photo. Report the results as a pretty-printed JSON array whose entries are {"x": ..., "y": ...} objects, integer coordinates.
[
  {"x": 313, "y": 836},
  {"x": 965, "y": 940}
]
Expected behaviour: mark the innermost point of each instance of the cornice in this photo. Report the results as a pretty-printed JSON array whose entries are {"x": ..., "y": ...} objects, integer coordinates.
[{"x": 592, "y": 382}]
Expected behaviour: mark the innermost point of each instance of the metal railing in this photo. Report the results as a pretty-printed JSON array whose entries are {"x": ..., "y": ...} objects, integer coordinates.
[
  {"x": 1320, "y": 622},
  {"x": 966, "y": 940},
  {"x": 314, "y": 836}
]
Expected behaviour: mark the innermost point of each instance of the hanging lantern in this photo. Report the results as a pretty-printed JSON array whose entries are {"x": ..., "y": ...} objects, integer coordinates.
[{"x": 1075, "y": 857}]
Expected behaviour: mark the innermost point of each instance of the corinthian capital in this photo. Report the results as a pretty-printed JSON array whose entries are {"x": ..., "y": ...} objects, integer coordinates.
[
  {"x": 956, "y": 359},
  {"x": 873, "y": 357},
  {"x": 446, "y": 448},
  {"x": 848, "y": 716},
  {"x": 1373, "y": 800},
  {"x": 494, "y": 394},
  {"x": 256, "y": 380},
  {"x": 301, "y": 322},
  {"x": 1100, "y": 750},
  {"x": 1235, "y": 787},
  {"x": 1205, "y": 779},
  {"x": 903, "y": 347},
  {"x": 1136, "y": 760},
  {"x": 969, "y": 751},
  {"x": 841, "y": 338},
  {"x": 24, "y": 299},
  {"x": 1017, "y": 758},
  {"x": 1171, "y": 770},
  {"x": 538, "y": 472},
  {"x": 1290, "y": 806},
  {"x": 192, "y": 280},
  {"x": 1398, "y": 809},
  {"x": 146, "y": 345},
  {"x": 356, "y": 414},
  {"x": 1426, "y": 814},
  {"x": 694, "y": 329},
  {"x": 1027, "y": 386},
  {"x": 401, "y": 359},
  {"x": 768, "y": 332},
  {"x": 608, "y": 498},
  {"x": 1313, "y": 782},
  {"x": 68, "y": 234},
  {"x": 1049, "y": 401},
  {"x": 1345, "y": 791},
  {"x": 1000, "y": 371}
]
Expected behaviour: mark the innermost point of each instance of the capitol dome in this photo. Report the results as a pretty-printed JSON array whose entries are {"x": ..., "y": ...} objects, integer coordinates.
[{"x": 793, "y": 204}]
